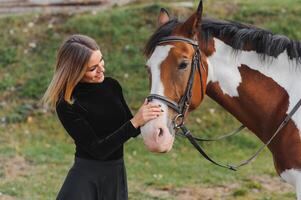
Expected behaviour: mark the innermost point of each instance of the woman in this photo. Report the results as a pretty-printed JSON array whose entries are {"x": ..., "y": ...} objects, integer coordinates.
[{"x": 92, "y": 109}]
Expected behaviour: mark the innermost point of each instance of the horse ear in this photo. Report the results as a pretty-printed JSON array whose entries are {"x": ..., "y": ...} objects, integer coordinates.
[
  {"x": 199, "y": 14},
  {"x": 163, "y": 17},
  {"x": 200, "y": 9},
  {"x": 193, "y": 24}
]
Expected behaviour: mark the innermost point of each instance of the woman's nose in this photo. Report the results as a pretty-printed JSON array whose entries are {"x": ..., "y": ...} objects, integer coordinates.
[{"x": 101, "y": 67}]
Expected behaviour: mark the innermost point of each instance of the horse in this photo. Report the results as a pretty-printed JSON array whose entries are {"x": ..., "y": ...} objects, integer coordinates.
[{"x": 251, "y": 72}]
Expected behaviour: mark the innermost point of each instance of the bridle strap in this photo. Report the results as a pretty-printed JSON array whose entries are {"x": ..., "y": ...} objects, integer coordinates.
[
  {"x": 200, "y": 75},
  {"x": 178, "y": 39},
  {"x": 280, "y": 127},
  {"x": 170, "y": 103},
  {"x": 233, "y": 167},
  {"x": 182, "y": 106},
  {"x": 191, "y": 139},
  {"x": 185, "y": 100},
  {"x": 222, "y": 137}
]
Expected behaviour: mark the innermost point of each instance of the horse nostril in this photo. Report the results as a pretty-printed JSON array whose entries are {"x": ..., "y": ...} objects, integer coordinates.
[{"x": 160, "y": 132}]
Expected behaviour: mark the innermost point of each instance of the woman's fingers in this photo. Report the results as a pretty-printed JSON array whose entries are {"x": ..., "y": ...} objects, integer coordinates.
[
  {"x": 150, "y": 111},
  {"x": 153, "y": 115},
  {"x": 155, "y": 109},
  {"x": 153, "y": 112},
  {"x": 153, "y": 105}
]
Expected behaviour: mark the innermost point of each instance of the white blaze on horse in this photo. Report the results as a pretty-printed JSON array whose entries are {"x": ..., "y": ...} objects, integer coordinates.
[{"x": 252, "y": 73}]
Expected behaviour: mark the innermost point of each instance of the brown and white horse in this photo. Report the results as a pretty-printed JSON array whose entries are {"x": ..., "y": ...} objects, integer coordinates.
[{"x": 252, "y": 73}]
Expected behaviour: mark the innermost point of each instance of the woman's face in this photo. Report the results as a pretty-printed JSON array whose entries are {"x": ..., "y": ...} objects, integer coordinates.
[{"x": 94, "y": 69}]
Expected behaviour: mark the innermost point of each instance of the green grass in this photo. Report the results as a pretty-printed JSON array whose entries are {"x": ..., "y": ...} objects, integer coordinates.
[{"x": 27, "y": 56}]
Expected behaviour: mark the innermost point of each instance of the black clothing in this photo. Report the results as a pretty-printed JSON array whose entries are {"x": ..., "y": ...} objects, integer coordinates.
[
  {"x": 98, "y": 121},
  {"x": 95, "y": 180}
]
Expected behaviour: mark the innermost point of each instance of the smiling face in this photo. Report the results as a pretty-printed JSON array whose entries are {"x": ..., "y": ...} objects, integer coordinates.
[{"x": 95, "y": 68}]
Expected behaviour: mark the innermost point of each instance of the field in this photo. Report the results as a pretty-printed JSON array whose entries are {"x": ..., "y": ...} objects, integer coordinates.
[{"x": 36, "y": 152}]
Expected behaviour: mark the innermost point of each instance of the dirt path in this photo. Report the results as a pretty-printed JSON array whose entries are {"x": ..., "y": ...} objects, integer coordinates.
[
  {"x": 264, "y": 184},
  {"x": 8, "y": 7}
]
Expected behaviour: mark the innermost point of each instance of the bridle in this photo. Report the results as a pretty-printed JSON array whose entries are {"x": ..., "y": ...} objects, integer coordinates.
[{"x": 183, "y": 105}]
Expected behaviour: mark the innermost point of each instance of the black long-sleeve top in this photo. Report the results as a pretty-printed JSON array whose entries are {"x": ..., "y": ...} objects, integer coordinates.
[{"x": 98, "y": 120}]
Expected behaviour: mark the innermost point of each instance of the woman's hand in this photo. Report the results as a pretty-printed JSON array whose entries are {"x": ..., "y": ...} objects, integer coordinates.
[{"x": 146, "y": 112}]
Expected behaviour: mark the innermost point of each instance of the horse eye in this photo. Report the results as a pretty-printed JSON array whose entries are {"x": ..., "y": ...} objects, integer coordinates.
[{"x": 183, "y": 65}]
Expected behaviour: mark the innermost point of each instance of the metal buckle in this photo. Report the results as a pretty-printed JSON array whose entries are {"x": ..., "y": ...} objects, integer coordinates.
[{"x": 178, "y": 121}]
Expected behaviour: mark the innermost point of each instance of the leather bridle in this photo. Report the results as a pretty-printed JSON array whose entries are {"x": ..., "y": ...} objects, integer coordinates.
[{"x": 183, "y": 105}]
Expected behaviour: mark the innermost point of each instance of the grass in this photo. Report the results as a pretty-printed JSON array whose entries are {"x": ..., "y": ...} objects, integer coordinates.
[{"x": 27, "y": 56}]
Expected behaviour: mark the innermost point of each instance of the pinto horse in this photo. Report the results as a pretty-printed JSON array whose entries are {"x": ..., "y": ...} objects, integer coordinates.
[{"x": 252, "y": 73}]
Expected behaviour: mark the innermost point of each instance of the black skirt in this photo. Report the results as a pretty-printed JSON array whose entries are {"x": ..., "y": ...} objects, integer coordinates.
[{"x": 95, "y": 180}]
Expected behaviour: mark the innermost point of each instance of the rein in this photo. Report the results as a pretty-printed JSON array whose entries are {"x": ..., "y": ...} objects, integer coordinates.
[
  {"x": 192, "y": 139},
  {"x": 183, "y": 105}
]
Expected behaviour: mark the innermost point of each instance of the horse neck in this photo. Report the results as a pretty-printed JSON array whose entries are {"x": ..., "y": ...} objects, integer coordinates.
[{"x": 258, "y": 93}]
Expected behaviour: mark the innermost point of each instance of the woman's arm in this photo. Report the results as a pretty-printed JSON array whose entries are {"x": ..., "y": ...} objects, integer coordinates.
[
  {"x": 146, "y": 112},
  {"x": 84, "y": 136}
]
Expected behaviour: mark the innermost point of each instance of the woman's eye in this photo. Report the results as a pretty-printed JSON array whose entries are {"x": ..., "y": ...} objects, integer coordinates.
[
  {"x": 92, "y": 69},
  {"x": 183, "y": 65}
]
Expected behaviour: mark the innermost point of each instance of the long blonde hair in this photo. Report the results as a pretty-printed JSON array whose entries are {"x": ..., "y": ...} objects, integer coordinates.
[{"x": 72, "y": 57}]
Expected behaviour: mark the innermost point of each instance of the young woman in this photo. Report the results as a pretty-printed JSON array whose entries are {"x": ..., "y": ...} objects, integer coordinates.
[{"x": 92, "y": 109}]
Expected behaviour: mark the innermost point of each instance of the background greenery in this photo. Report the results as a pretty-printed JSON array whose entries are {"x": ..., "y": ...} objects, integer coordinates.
[{"x": 35, "y": 151}]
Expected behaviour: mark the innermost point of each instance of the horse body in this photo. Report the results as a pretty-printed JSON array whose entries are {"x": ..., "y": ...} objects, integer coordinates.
[
  {"x": 252, "y": 73},
  {"x": 259, "y": 93}
]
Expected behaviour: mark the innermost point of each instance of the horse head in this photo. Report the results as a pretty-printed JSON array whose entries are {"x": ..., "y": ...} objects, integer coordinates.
[{"x": 177, "y": 73}]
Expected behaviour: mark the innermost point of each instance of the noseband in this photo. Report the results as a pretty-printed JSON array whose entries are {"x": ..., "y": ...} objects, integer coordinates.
[{"x": 183, "y": 105}]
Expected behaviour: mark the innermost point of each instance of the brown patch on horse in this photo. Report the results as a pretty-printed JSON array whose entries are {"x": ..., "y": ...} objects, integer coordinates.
[
  {"x": 287, "y": 148},
  {"x": 188, "y": 29},
  {"x": 207, "y": 47},
  {"x": 261, "y": 106},
  {"x": 198, "y": 88},
  {"x": 171, "y": 77},
  {"x": 197, "y": 92}
]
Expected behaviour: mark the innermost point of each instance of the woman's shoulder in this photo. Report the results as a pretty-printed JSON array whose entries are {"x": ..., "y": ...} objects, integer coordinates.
[
  {"x": 113, "y": 82},
  {"x": 62, "y": 104}
]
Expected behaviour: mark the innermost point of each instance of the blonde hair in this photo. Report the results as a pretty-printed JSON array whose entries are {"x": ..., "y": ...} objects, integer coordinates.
[{"x": 72, "y": 57}]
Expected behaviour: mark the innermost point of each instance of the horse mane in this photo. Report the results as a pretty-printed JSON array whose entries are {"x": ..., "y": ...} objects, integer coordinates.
[
  {"x": 237, "y": 36},
  {"x": 262, "y": 41}
]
